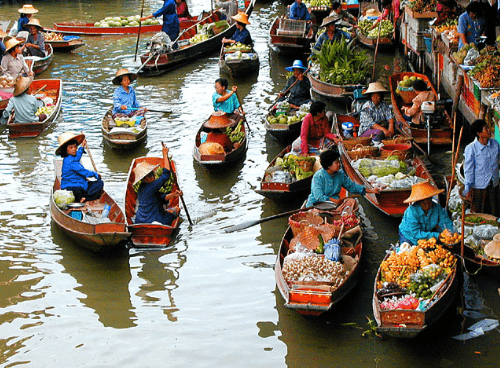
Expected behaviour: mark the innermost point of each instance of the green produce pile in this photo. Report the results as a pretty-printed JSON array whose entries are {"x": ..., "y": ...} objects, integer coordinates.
[
  {"x": 286, "y": 119},
  {"x": 289, "y": 163},
  {"x": 63, "y": 197},
  {"x": 460, "y": 55},
  {"x": 47, "y": 110},
  {"x": 341, "y": 63},
  {"x": 198, "y": 38},
  {"x": 318, "y": 3},
  {"x": 238, "y": 47},
  {"x": 424, "y": 279},
  {"x": 132, "y": 21},
  {"x": 386, "y": 28},
  {"x": 391, "y": 165},
  {"x": 166, "y": 188},
  {"x": 236, "y": 135},
  {"x": 480, "y": 220}
]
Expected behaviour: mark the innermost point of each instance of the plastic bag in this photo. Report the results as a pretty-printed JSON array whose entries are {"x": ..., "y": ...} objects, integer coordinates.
[
  {"x": 471, "y": 57},
  {"x": 485, "y": 231},
  {"x": 332, "y": 250},
  {"x": 62, "y": 197}
]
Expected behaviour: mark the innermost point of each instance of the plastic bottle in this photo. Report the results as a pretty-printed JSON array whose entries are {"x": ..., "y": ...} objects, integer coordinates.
[{"x": 105, "y": 211}]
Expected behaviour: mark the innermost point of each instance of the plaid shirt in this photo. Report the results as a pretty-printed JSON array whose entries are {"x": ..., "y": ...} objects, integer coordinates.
[{"x": 371, "y": 114}]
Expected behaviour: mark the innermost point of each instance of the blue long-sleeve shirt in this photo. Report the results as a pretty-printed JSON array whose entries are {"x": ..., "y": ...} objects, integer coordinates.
[
  {"x": 481, "y": 164},
  {"x": 299, "y": 12},
  {"x": 470, "y": 28},
  {"x": 417, "y": 225},
  {"x": 242, "y": 36},
  {"x": 121, "y": 97},
  {"x": 170, "y": 19},
  {"x": 73, "y": 172},
  {"x": 325, "y": 186}
]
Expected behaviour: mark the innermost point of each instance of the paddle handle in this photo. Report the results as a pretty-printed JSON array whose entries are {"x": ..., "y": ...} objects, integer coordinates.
[
  {"x": 289, "y": 88},
  {"x": 376, "y": 50},
  {"x": 91, "y": 158},
  {"x": 139, "y": 33},
  {"x": 454, "y": 164},
  {"x": 39, "y": 90}
]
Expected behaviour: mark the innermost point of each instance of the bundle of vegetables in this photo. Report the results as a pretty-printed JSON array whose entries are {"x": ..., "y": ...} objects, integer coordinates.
[
  {"x": 166, "y": 188},
  {"x": 238, "y": 47},
  {"x": 487, "y": 69},
  {"x": 422, "y": 6},
  {"x": 398, "y": 181},
  {"x": 291, "y": 164},
  {"x": 47, "y": 110},
  {"x": 62, "y": 197},
  {"x": 236, "y": 134},
  {"x": 391, "y": 165},
  {"x": 459, "y": 56},
  {"x": 292, "y": 118},
  {"x": 318, "y": 3},
  {"x": 199, "y": 37},
  {"x": 340, "y": 63},
  {"x": 386, "y": 28}
]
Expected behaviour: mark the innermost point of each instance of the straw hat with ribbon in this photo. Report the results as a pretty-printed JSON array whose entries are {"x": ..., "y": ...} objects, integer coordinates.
[
  {"x": 22, "y": 85},
  {"x": 120, "y": 73},
  {"x": 375, "y": 87},
  {"x": 27, "y": 9},
  {"x": 66, "y": 137},
  {"x": 11, "y": 43},
  {"x": 330, "y": 20},
  {"x": 142, "y": 170},
  {"x": 297, "y": 64},
  {"x": 219, "y": 119},
  {"x": 35, "y": 23},
  {"x": 422, "y": 191},
  {"x": 241, "y": 18},
  {"x": 372, "y": 13}
]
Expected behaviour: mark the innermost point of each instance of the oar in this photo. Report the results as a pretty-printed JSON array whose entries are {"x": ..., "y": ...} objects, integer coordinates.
[
  {"x": 34, "y": 94},
  {"x": 245, "y": 225},
  {"x": 152, "y": 110},
  {"x": 91, "y": 158},
  {"x": 376, "y": 50},
  {"x": 176, "y": 181},
  {"x": 149, "y": 58},
  {"x": 289, "y": 88},
  {"x": 454, "y": 160},
  {"x": 139, "y": 32}
]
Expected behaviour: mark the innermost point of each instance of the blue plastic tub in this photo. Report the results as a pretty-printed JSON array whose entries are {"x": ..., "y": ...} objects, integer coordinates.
[
  {"x": 70, "y": 38},
  {"x": 428, "y": 44}
]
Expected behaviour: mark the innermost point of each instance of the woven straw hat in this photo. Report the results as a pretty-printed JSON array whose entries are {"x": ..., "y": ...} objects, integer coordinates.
[
  {"x": 422, "y": 191},
  {"x": 27, "y": 9},
  {"x": 142, "y": 170},
  {"x": 297, "y": 64},
  {"x": 66, "y": 137},
  {"x": 120, "y": 73},
  {"x": 218, "y": 119},
  {"x": 375, "y": 87},
  {"x": 330, "y": 20},
  {"x": 11, "y": 43},
  {"x": 492, "y": 249},
  {"x": 241, "y": 18},
  {"x": 35, "y": 23},
  {"x": 22, "y": 84},
  {"x": 372, "y": 13}
]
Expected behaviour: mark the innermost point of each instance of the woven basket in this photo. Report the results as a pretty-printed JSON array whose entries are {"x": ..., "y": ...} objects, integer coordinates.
[
  {"x": 363, "y": 151},
  {"x": 407, "y": 94},
  {"x": 308, "y": 237},
  {"x": 400, "y": 150},
  {"x": 351, "y": 143},
  {"x": 306, "y": 165},
  {"x": 397, "y": 139},
  {"x": 302, "y": 220}
]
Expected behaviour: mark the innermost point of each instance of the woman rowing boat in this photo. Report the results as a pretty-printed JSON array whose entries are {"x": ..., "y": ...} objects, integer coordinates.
[{"x": 125, "y": 102}]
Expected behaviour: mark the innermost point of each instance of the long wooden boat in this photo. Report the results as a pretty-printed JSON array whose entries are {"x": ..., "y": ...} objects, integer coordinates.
[
  {"x": 312, "y": 298},
  {"x": 244, "y": 66},
  {"x": 389, "y": 201},
  {"x": 283, "y": 191},
  {"x": 53, "y": 89},
  {"x": 148, "y": 235},
  {"x": 159, "y": 63},
  {"x": 284, "y": 133},
  {"x": 443, "y": 135},
  {"x": 409, "y": 323},
  {"x": 290, "y": 35},
  {"x": 331, "y": 91},
  {"x": 219, "y": 160},
  {"x": 124, "y": 137},
  {"x": 38, "y": 64},
  {"x": 384, "y": 43},
  {"x": 91, "y": 231},
  {"x": 66, "y": 45}
]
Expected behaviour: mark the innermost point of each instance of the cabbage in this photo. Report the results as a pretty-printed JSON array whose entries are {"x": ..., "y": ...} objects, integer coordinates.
[{"x": 63, "y": 197}]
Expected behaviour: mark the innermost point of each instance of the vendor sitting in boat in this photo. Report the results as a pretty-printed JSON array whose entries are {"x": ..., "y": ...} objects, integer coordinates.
[
  {"x": 342, "y": 17},
  {"x": 151, "y": 201},
  {"x": 241, "y": 35},
  {"x": 423, "y": 219},
  {"x": 35, "y": 44},
  {"x": 332, "y": 34},
  {"x": 13, "y": 63},
  {"x": 300, "y": 91},
  {"x": 298, "y": 11},
  {"x": 182, "y": 10},
  {"x": 329, "y": 181},
  {"x": 376, "y": 118},
  {"x": 24, "y": 17},
  {"x": 23, "y": 104},
  {"x": 315, "y": 132},
  {"x": 414, "y": 112},
  {"x": 125, "y": 102},
  {"x": 74, "y": 176},
  {"x": 224, "y": 100}
]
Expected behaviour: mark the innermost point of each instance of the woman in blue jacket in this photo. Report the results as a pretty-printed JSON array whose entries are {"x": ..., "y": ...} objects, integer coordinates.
[{"x": 171, "y": 24}]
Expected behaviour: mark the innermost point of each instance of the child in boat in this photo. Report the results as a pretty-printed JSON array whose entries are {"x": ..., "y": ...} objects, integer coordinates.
[
  {"x": 125, "y": 102},
  {"x": 150, "y": 200},
  {"x": 414, "y": 113},
  {"x": 74, "y": 175},
  {"x": 24, "y": 104}
]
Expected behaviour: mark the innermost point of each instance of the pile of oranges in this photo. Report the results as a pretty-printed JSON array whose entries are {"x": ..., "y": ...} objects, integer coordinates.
[{"x": 446, "y": 237}]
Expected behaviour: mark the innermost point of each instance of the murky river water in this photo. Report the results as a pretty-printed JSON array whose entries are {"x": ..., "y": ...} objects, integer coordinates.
[{"x": 211, "y": 299}]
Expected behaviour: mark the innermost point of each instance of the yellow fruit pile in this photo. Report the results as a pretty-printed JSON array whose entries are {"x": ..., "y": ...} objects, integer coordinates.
[{"x": 446, "y": 237}]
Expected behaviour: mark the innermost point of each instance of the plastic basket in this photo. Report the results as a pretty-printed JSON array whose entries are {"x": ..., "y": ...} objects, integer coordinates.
[
  {"x": 428, "y": 44},
  {"x": 400, "y": 150},
  {"x": 70, "y": 38}
]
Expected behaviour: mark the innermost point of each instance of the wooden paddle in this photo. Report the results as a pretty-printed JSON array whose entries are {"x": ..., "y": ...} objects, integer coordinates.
[
  {"x": 91, "y": 158},
  {"x": 34, "y": 94},
  {"x": 454, "y": 160},
  {"x": 165, "y": 157},
  {"x": 289, "y": 88},
  {"x": 139, "y": 32},
  {"x": 152, "y": 110},
  {"x": 245, "y": 225},
  {"x": 376, "y": 49}
]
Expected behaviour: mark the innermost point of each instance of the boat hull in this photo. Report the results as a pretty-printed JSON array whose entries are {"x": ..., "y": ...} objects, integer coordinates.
[
  {"x": 384, "y": 43},
  {"x": 122, "y": 140},
  {"x": 65, "y": 46},
  {"x": 289, "y": 42},
  {"x": 331, "y": 91},
  {"x": 38, "y": 65},
  {"x": 238, "y": 67}
]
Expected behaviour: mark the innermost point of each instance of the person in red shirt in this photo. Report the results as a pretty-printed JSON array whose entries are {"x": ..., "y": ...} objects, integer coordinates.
[{"x": 182, "y": 10}]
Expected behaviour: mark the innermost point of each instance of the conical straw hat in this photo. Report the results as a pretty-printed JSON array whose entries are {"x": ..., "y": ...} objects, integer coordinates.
[
  {"x": 121, "y": 73},
  {"x": 22, "y": 84},
  {"x": 27, "y": 9},
  {"x": 66, "y": 137},
  {"x": 218, "y": 119},
  {"x": 35, "y": 23},
  {"x": 422, "y": 191},
  {"x": 375, "y": 87},
  {"x": 241, "y": 18},
  {"x": 11, "y": 43},
  {"x": 142, "y": 170}
]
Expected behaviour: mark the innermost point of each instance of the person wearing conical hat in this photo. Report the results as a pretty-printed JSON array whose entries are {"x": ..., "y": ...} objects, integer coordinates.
[
  {"x": 150, "y": 199},
  {"x": 376, "y": 118},
  {"x": 332, "y": 33},
  {"x": 125, "y": 102},
  {"x": 241, "y": 35},
  {"x": 24, "y": 104},
  {"x": 24, "y": 17},
  {"x": 300, "y": 92},
  {"x": 171, "y": 24},
  {"x": 224, "y": 100},
  {"x": 13, "y": 63},
  {"x": 74, "y": 176},
  {"x": 35, "y": 43},
  {"x": 424, "y": 218},
  {"x": 344, "y": 18}
]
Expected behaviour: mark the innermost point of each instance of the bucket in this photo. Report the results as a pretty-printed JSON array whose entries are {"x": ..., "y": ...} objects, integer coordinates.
[{"x": 347, "y": 127}]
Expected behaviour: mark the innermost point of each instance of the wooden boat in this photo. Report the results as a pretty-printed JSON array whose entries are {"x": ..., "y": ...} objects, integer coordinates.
[
  {"x": 148, "y": 235},
  {"x": 389, "y": 201},
  {"x": 92, "y": 232},
  {"x": 124, "y": 137},
  {"x": 38, "y": 64},
  {"x": 158, "y": 63},
  {"x": 384, "y": 43},
  {"x": 312, "y": 298},
  {"x": 244, "y": 66},
  {"x": 409, "y": 323},
  {"x": 282, "y": 191},
  {"x": 284, "y": 133},
  {"x": 331, "y": 91},
  {"x": 443, "y": 135},
  {"x": 219, "y": 160},
  {"x": 67, "y": 44},
  {"x": 290, "y": 35},
  {"x": 53, "y": 89}
]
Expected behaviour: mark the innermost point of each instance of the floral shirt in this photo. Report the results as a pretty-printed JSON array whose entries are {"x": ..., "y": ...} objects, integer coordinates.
[{"x": 371, "y": 115}]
